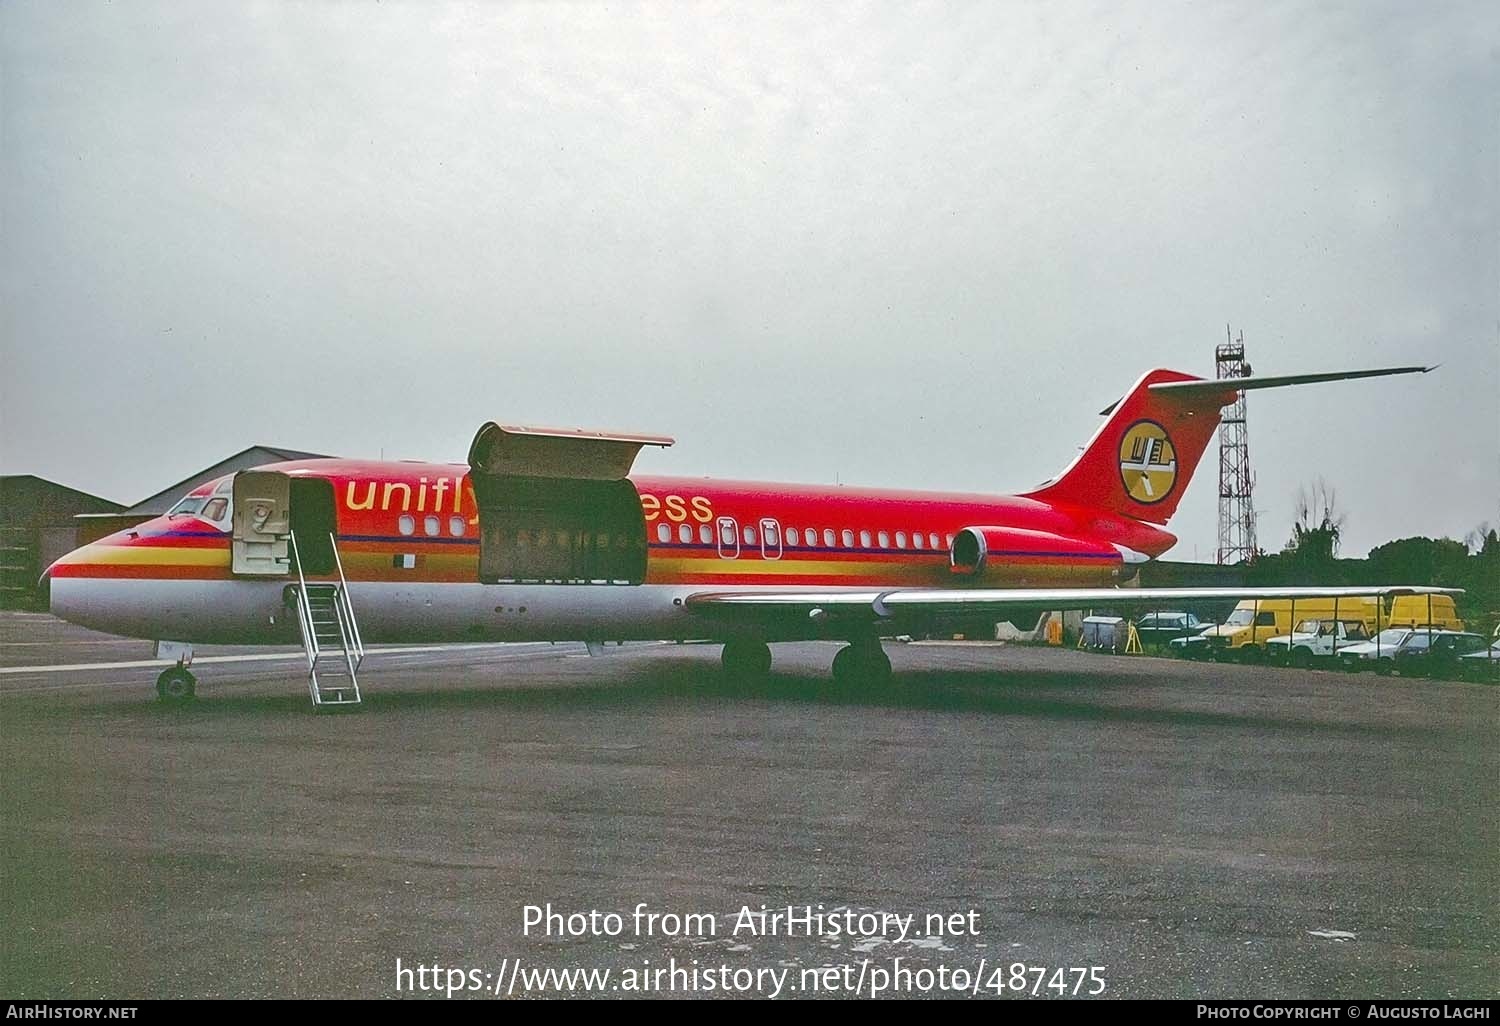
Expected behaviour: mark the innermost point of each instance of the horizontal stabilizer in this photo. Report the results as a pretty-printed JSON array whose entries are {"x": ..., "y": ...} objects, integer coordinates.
[
  {"x": 1191, "y": 388},
  {"x": 1226, "y": 386}
]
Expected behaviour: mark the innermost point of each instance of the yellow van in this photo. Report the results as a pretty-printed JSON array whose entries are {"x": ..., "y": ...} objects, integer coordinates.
[
  {"x": 1244, "y": 634},
  {"x": 1415, "y": 611}
]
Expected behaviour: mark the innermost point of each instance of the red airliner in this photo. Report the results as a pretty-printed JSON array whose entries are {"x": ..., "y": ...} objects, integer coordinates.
[{"x": 546, "y": 536}]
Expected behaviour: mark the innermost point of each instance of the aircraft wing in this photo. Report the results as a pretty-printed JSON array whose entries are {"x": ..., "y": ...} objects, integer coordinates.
[{"x": 884, "y": 605}]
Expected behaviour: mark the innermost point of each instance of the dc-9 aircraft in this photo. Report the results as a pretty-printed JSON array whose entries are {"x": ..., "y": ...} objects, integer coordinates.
[{"x": 546, "y": 536}]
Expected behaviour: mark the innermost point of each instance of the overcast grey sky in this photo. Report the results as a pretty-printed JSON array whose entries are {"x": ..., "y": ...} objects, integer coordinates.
[{"x": 889, "y": 244}]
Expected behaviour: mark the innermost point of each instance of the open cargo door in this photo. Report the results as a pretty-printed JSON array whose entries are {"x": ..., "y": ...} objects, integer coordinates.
[{"x": 557, "y": 507}]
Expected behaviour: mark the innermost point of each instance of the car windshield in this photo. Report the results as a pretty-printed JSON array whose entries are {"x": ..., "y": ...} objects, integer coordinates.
[
  {"x": 1391, "y": 637},
  {"x": 1240, "y": 618},
  {"x": 1308, "y": 627}
]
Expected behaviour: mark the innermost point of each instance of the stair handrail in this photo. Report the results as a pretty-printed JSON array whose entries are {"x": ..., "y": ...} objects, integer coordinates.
[
  {"x": 356, "y": 651},
  {"x": 304, "y": 613}
]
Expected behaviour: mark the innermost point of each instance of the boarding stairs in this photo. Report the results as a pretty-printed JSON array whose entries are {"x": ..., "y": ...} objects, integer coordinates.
[{"x": 330, "y": 634}]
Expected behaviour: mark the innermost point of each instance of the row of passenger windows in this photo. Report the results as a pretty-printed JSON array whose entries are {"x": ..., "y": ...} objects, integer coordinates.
[
  {"x": 806, "y": 536},
  {"x": 431, "y": 526}
]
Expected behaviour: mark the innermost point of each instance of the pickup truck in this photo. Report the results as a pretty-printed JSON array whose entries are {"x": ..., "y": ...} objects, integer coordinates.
[{"x": 1314, "y": 640}]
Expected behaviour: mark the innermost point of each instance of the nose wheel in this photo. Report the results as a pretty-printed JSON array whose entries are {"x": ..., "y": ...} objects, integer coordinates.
[
  {"x": 862, "y": 662},
  {"x": 176, "y": 686}
]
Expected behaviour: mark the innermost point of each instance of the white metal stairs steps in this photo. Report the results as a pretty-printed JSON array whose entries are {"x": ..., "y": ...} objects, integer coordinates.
[{"x": 330, "y": 635}]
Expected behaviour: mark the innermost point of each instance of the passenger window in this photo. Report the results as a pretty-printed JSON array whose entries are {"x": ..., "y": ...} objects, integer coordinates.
[
  {"x": 663, "y": 533},
  {"x": 916, "y": 539},
  {"x": 407, "y": 524},
  {"x": 848, "y": 538},
  {"x": 949, "y": 542},
  {"x": 792, "y": 536},
  {"x": 685, "y": 534},
  {"x": 705, "y": 534},
  {"x": 770, "y": 538},
  {"x": 431, "y": 527},
  {"x": 749, "y": 535},
  {"x": 729, "y": 538},
  {"x": 932, "y": 541},
  {"x": 828, "y": 537},
  {"x": 885, "y": 540},
  {"x": 456, "y": 526},
  {"x": 900, "y": 539},
  {"x": 864, "y": 539}
]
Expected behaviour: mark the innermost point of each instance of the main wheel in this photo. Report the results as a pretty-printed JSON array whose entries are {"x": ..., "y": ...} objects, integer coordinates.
[
  {"x": 861, "y": 663},
  {"x": 746, "y": 658},
  {"x": 176, "y": 685},
  {"x": 1302, "y": 658}
]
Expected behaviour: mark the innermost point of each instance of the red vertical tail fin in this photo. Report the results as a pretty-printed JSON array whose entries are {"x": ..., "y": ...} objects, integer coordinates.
[{"x": 1139, "y": 462}]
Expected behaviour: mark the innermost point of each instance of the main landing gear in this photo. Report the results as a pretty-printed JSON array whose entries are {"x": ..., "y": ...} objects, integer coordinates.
[
  {"x": 746, "y": 658},
  {"x": 861, "y": 662},
  {"x": 176, "y": 685}
]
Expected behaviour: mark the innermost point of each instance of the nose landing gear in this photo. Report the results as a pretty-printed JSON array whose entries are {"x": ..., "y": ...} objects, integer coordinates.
[{"x": 176, "y": 686}]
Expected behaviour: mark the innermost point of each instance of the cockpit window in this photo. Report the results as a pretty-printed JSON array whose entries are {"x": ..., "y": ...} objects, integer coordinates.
[
  {"x": 187, "y": 507},
  {"x": 215, "y": 508}
]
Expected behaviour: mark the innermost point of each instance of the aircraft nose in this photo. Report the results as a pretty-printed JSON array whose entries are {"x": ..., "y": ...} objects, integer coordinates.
[{"x": 44, "y": 589}]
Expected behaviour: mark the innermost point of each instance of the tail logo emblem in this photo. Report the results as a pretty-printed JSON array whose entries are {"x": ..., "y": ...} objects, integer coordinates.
[{"x": 1148, "y": 462}]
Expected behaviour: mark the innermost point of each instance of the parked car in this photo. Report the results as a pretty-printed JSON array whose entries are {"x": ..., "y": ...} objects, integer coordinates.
[
  {"x": 1159, "y": 629},
  {"x": 1481, "y": 665},
  {"x": 1194, "y": 646},
  {"x": 1436, "y": 653},
  {"x": 1378, "y": 654},
  {"x": 1312, "y": 640}
]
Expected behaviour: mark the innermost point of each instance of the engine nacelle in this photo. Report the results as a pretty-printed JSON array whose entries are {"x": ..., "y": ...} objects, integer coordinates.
[{"x": 976, "y": 549}]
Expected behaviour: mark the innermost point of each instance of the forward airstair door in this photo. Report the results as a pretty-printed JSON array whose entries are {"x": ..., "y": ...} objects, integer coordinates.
[{"x": 262, "y": 523}]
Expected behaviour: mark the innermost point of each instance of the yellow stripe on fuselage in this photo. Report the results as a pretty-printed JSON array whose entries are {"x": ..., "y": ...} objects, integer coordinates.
[{"x": 149, "y": 555}]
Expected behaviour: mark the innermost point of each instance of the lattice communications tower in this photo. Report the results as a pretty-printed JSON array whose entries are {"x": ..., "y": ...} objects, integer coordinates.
[{"x": 1236, "y": 509}]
